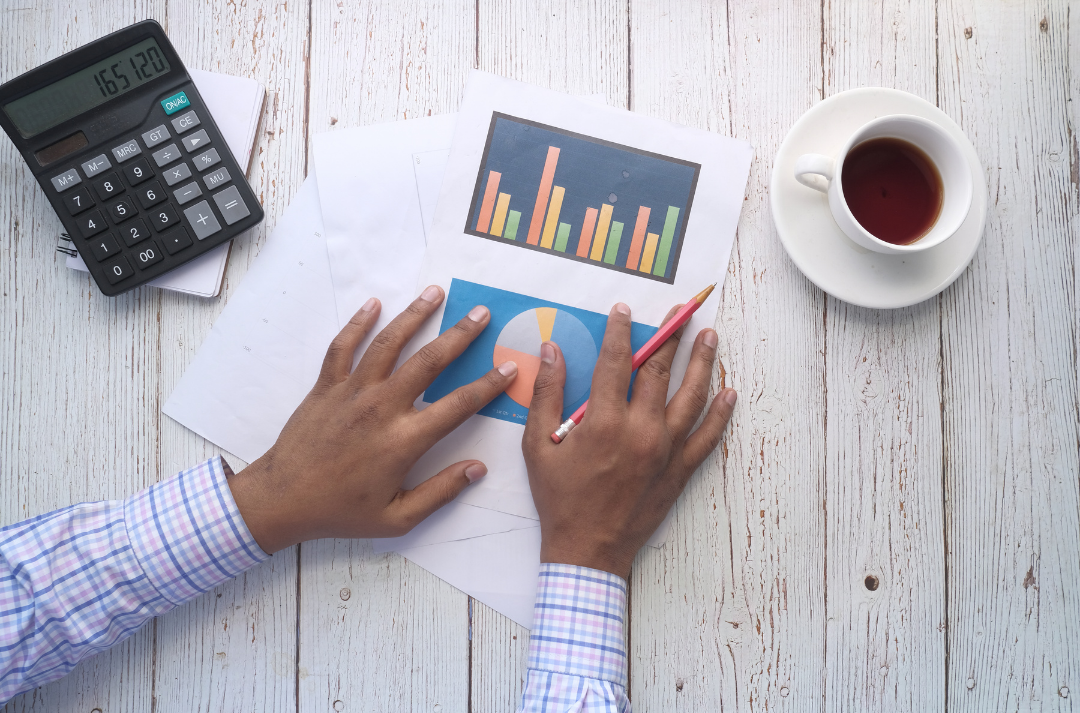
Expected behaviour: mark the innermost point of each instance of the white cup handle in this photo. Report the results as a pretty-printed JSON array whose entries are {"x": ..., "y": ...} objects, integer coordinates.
[{"x": 814, "y": 171}]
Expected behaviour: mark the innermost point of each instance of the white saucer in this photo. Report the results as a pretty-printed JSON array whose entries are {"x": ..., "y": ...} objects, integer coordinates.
[{"x": 817, "y": 245}]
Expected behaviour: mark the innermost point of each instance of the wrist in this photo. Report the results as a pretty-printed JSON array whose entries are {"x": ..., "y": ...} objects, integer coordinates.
[
  {"x": 610, "y": 557},
  {"x": 259, "y": 501}
]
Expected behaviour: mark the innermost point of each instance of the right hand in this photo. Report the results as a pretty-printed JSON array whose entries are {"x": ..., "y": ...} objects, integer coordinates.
[{"x": 604, "y": 490}]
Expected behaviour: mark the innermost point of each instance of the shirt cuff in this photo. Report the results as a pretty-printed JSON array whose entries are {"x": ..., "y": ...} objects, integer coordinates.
[
  {"x": 188, "y": 534},
  {"x": 578, "y": 623}
]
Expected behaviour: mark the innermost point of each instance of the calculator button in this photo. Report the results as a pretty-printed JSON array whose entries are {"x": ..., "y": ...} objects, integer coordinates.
[
  {"x": 66, "y": 180},
  {"x": 122, "y": 210},
  {"x": 166, "y": 155},
  {"x": 148, "y": 255},
  {"x": 96, "y": 165},
  {"x": 188, "y": 193},
  {"x": 188, "y": 121},
  {"x": 196, "y": 140},
  {"x": 176, "y": 240},
  {"x": 150, "y": 195},
  {"x": 153, "y": 137},
  {"x": 218, "y": 178},
  {"x": 104, "y": 247},
  {"x": 135, "y": 232},
  {"x": 205, "y": 160},
  {"x": 119, "y": 269},
  {"x": 138, "y": 172},
  {"x": 202, "y": 220},
  {"x": 231, "y": 205},
  {"x": 78, "y": 201},
  {"x": 108, "y": 186},
  {"x": 90, "y": 224},
  {"x": 177, "y": 173},
  {"x": 163, "y": 217},
  {"x": 175, "y": 103},
  {"x": 127, "y": 150}
]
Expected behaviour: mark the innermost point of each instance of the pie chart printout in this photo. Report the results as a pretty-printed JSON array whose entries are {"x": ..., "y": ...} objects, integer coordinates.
[
  {"x": 520, "y": 342},
  {"x": 519, "y": 325}
]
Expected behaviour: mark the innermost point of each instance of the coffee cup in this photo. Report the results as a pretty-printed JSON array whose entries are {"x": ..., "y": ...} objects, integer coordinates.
[{"x": 826, "y": 174}]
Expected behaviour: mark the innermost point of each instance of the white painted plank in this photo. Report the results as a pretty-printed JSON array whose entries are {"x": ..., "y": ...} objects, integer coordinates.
[
  {"x": 235, "y": 648},
  {"x": 77, "y": 414},
  {"x": 885, "y": 648},
  {"x": 398, "y": 639},
  {"x": 1009, "y": 354},
  {"x": 729, "y": 614},
  {"x": 578, "y": 48}
]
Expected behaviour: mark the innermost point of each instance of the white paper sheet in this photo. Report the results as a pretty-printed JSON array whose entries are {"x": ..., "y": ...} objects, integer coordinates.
[
  {"x": 504, "y": 265},
  {"x": 236, "y": 104}
]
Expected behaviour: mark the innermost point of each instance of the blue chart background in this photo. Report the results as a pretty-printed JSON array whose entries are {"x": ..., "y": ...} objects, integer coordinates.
[
  {"x": 504, "y": 306},
  {"x": 589, "y": 171}
]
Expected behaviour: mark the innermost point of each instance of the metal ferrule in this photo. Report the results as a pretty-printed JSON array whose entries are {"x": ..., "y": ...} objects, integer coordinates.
[{"x": 564, "y": 429}]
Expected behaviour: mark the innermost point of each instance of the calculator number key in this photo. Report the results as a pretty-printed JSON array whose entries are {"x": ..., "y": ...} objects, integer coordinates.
[
  {"x": 138, "y": 172},
  {"x": 164, "y": 217},
  {"x": 119, "y": 269},
  {"x": 78, "y": 201},
  {"x": 92, "y": 223},
  {"x": 135, "y": 232},
  {"x": 148, "y": 255},
  {"x": 150, "y": 194},
  {"x": 104, "y": 247},
  {"x": 108, "y": 186},
  {"x": 176, "y": 240},
  {"x": 122, "y": 210}
]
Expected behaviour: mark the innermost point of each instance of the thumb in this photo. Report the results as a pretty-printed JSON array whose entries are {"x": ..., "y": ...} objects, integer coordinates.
[
  {"x": 545, "y": 411},
  {"x": 413, "y": 506}
]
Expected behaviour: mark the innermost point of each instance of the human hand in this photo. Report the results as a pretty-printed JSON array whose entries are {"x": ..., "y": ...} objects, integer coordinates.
[
  {"x": 337, "y": 468},
  {"x": 604, "y": 490}
]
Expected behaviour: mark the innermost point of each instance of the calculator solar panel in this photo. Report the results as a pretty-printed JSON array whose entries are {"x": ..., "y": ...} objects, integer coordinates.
[{"x": 131, "y": 160}]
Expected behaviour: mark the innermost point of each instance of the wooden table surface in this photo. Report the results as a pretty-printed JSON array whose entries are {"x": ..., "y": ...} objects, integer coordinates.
[{"x": 934, "y": 449}]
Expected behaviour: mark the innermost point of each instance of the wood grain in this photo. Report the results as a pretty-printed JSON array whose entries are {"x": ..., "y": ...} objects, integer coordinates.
[
  {"x": 885, "y": 569},
  {"x": 1009, "y": 366},
  {"x": 729, "y": 614},
  {"x": 399, "y": 639}
]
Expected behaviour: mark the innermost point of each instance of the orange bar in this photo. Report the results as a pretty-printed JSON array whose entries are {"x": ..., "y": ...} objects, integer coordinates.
[
  {"x": 546, "y": 180},
  {"x": 586, "y": 233},
  {"x": 650, "y": 252},
  {"x": 639, "y": 237},
  {"x": 492, "y": 190}
]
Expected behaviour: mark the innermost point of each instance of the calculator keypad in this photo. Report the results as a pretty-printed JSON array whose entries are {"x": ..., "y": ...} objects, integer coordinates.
[{"x": 131, "y": 219}]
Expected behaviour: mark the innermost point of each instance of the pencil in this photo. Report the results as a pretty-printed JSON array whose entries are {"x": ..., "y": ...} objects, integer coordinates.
[{"x": 681, "y": 317}]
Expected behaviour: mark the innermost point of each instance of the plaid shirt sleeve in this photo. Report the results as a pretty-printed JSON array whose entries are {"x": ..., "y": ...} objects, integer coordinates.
[
  {"x": 76, "y": 581},
  {"x": 577, "y": 652}
]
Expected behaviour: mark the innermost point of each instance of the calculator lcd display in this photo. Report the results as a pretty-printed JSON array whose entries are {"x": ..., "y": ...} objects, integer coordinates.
[{"x": 87, "y": 88}]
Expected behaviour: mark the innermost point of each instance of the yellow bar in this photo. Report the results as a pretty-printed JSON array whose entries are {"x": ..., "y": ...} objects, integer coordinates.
[
  {"x": 552, "y": 217},
  {"x": 650, "y": 252},
  {"x": 601, "y": 232},
  {"x": 499, "y": 223}
]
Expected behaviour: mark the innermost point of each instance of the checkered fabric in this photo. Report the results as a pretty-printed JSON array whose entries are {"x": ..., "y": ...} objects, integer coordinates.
[
  {"x": 76, "y": 581},
  {"x": 577, "y": 652}
]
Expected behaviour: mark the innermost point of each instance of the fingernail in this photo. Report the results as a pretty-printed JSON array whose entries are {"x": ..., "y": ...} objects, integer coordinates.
[
  {"x": 621, "y": 308},
  {"x": 508, "y": 368},
  {"x": 369, "y": 305},
  {"x": 709, "y": 339},
  {"x": 478, "y": 313},
  {"x": 730, "y": 397},
  {"x": 547, "y": 353},
  {"x": 475, "y": 472},
  {"x": 431, "y": 294}
]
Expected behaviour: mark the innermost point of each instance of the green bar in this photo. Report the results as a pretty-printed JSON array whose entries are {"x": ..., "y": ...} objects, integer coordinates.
[
  {"x": 562, "y": 236},
  {"x": 614, "y": 236},
  {"x": 662, "y": 253},
  {"x": 510, "y": 231}
]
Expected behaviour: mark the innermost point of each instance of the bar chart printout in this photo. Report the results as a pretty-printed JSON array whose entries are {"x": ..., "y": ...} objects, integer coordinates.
[{"x": 583, "y": 199}]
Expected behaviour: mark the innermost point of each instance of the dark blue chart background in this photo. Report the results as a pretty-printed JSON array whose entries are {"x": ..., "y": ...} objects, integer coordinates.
[{"x": 590, "y": 170}]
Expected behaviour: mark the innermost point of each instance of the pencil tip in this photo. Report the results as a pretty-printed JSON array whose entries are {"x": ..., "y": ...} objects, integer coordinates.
[{"x": 704, "y": 294}]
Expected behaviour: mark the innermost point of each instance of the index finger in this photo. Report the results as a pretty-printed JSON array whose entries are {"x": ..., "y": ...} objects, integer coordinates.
[{"x": 611, "y": 377}]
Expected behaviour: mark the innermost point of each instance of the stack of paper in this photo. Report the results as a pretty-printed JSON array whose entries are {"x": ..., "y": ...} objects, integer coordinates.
[
  {"x": 331, "y": 252},
  {"x": 236, "y": 104}
]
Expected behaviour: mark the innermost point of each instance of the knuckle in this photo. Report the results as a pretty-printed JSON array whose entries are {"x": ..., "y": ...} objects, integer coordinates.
[
  {"x": 466, "y": 402},
  {"x": 431, "y": 357},
  {"x": 417, "y": 308},
  {"x": 655, "y": 369},
  {"x": 697, "y": 398},
  {"x": 464, "y": 327},
  {"x": 546, "y": 381},
  {"x": 616, "y": 350}
]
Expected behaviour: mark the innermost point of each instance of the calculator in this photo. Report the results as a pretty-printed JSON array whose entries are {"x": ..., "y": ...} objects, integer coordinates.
[{"x": 129, "y": 157}]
